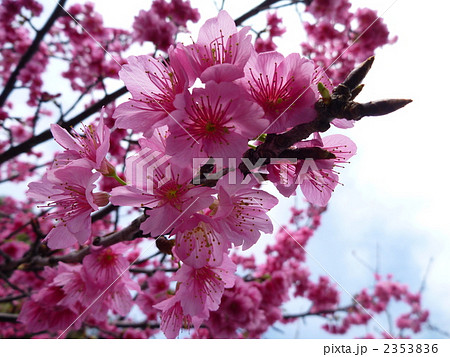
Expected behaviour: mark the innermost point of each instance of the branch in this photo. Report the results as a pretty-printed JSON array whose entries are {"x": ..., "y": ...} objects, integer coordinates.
[
  {"x": 128, "y": 233},
  {"x": 151, "y": 272},
  {"x": 12, "y": 298},
  {"x": 256, "y": 10},
  {"x": 318, "y": 313},
  {"x": 143, "y": 325},
  {"x": 31, "y": 51},
  {"x": 339, "y": 104},
  {"x": 11, "y": 285},
  {"x": 33, "y": 262},
  {"x": 5, "y": 317},
  {"x": 103, "y": 212},
  {"x": 38, "y": 262},
  {"x": 46, "y": 135}
]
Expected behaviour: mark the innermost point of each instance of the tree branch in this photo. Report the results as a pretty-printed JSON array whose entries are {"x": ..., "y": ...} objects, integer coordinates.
[
  {"x": 318, "y": 313},
  {"x": 5, "y": 317},
  {"x": 339, "y": 104},
  {"x": 46, "y": 135},
  {"x": 257, "y": 9},
  {"x": 31, "y": 51},
  {"x": 128, "y": 233}
]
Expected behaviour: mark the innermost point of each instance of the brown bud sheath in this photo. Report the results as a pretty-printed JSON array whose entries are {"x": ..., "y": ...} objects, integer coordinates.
[
  {"x": 165, "y": 245},
  {"x": 356, "y": 111},
  {"x": 358, "y": 74}
]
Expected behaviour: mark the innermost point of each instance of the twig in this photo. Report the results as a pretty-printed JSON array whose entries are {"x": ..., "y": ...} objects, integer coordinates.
[
  {"x": 11, "y": 285},
  {"x": 321, "y": 312},
  {"x": 256, "y": 10},
  {"x": 5, "y": 317},
  {"x": 103, "y": 212},
  {"x": 46, "y": 135},
  {"x": 31, "y": 51},
  {"x": 12, "y": 298},
  {"x": 339, "y": 104},
  {"x": 151, "y": 272},
  {"x": 128, "y": 233}
]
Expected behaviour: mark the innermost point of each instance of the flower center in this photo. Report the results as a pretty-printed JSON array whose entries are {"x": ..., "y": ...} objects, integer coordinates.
[
  {"x": 210, "y": 127},
  {"x": 271, "y": 93},
  {"x": 208, "y": 120}
]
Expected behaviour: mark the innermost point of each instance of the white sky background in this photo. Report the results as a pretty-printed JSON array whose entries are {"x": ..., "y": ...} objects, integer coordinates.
[{"x": 396, "y": 194}]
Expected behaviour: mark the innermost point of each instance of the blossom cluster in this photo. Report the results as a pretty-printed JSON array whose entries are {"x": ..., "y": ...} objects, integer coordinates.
[
  {"x": 190, "y": 122},
  {"x": 207, "y": 103},
  {"x": 339, "y": 38},
  {"x": 243, "y": 95},
  {"x": 161, "y": 23}
]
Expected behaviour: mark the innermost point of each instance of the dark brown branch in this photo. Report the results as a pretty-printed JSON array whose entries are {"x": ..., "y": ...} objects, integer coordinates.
[
  {"x": 12, "y": 298},
  {"x": 33, "y": 262},
  {"x": 143, "y": 325},
  {"x": 5, "y": 317},
  {"x": 128, "y": 233},
  {"x": 11, "y": 285},
  {"x": 256, "y": 10},
  {"x": 103, "y": 212},
  {"x": 38, "y": 262},
  {"x": 27, "y": 145},
  {"x": 315, "y": 153},
  {"x": 151, "y": 272},
  {"x": 319, "y": 313},
  {"x": 339, "y": 105},
  {"x": 34, "y": 47}
]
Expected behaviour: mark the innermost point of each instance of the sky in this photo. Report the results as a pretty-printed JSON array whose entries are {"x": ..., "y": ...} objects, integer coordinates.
[{"x": 392, "y": 212}]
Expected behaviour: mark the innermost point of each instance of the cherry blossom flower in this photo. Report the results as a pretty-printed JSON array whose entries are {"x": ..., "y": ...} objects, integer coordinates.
[
  {"x": 93, "y": 145},
  {"x": 242, "y": 211},
  {"x": 316, "y": 178},
  {"x": 156, "y": 291},
  {"x": 153, "y": 86},
  {"x": 149, "y": 26},
  {"x": 201, "y": 289},
  {"x": 173, "y": 317},
  {"x": 220, "y": 52},
  {"x": 46, "y": 310},
  {"x": 69, "y": 190},
  {"x": 330, "y": 10},
  {"x": 105, "y": 265},
  {"x": 164, "y": 187},
  {"x": 161, "y": 23},
  {"x": 198, "y": 242},
  {"x": 214, "y": 121},
  {"x": 282, "y": 87},
  {"x": 318, "y": 184}
]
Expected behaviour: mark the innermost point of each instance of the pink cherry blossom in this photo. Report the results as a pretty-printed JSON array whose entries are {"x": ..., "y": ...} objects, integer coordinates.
[
  {"x": 156, "y": 291},
  {"x": 331, "y": 10},
  {"x": 161, "y": 23},
  {"x": 198, "y": 242},
  {"x": 220, "y": 52},
  {"x": 173, "y": 317},
  {"x": 316, "y": 178},
  {"x": 216, "y": 121},
  {"x": 318, "y": 184},
  {"x": 69, "y": 190},
  {"x": 323, "y": 295},
  {"x": 46, "y": 310},
  {"x": 93, "y": 145},
  {"x": 165, "y": 188},
  {"x": 201, "y": 289},
  {"x": 153, "y": 86},
  {"x": 282, "y": 87},
  {"x": 105, "y": 265},
  {"x": 242, "y": 211},
  {"x": 148, "y": 26}
]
